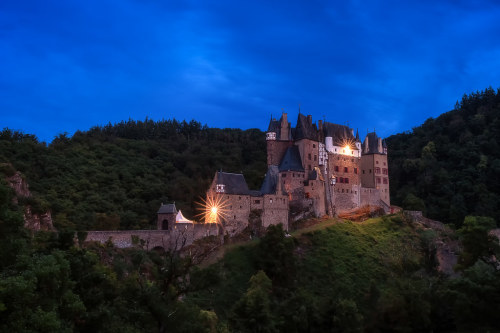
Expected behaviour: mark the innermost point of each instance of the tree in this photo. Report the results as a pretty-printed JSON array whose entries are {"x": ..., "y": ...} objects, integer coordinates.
[
  {"x": 253, "y": 312},
  {"x": 476, "y": 240}
]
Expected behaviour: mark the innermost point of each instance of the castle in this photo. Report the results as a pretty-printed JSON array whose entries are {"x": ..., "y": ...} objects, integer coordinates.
[{"x": 322, "y": 168}]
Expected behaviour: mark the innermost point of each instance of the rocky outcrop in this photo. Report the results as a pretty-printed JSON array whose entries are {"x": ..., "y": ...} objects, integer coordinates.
[
  {"x": 32, "y": 221},
  {"x": 447, "y": 248}
]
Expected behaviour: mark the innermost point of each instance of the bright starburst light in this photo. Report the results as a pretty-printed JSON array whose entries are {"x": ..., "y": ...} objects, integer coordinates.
[{"x": 213, "y": 209}]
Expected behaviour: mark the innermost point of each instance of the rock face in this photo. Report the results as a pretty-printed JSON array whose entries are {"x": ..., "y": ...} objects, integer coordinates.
[{"x": 32, "y": 221}]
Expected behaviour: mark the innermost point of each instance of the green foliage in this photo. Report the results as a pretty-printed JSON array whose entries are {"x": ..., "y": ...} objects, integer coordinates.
[
  {"x": 452, "y": 163},
  {"x": 476, "y": 240},
  {"x": 253, "y": 311},
  {"x": 116, "y": 176}
]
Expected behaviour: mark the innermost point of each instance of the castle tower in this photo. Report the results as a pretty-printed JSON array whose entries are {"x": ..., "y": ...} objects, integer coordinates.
[
  {"x": 278, "y": 138},
  {"x": 374, "y": 166},
  {"x": 166, "y": 216}
]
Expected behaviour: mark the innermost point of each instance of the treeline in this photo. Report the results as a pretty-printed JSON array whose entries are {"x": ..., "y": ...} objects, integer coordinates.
[
  {"x": 450, "y": 166},
  {"x": 116, "y": 176}
]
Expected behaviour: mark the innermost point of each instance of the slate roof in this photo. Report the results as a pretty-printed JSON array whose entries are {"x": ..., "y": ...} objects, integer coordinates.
[
  {"x": 235, "y": 183},
  {"x": 291, "y": 160},
  {"x": 167, "y": 209},
  {"x": 275, "y": 126},
  {"x": 271, "y": 181},
  {"x": 339, "y": 133},
  {"x": 373, "y": 144},
  {"x": 305, "y": 129}
]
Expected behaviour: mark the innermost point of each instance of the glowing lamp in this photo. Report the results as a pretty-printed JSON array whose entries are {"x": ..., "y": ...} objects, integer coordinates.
[{"x": 213, "y": 210}]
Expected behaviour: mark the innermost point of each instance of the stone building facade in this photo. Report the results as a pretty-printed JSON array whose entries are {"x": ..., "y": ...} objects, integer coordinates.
[{"x": 327, "y": 163}]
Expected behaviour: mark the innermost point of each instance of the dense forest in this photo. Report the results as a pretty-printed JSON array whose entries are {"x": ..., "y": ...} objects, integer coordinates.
[
  {"x": 116, "y": 176},
  {"x": 449, "y": 167}
]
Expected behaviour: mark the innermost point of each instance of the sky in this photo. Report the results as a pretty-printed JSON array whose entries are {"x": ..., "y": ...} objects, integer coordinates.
[{"x": 374, "y": 65}]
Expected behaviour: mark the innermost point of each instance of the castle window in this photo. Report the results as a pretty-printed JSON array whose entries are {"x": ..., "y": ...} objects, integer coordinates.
[
  {"x": 356, "y": 170},
  {"x": 235, "y": 217},
  {"x": 309, "y": 156},
  {"x": 378, "y": 180},
  {"x": 363, "y": 172},
  {"x": 377, "y": 170},
  {"x": 376, "y": 162},
  {"x": 271, "y": 200},
  {"x": 341, "y": 179},
  {"x": 336, "y": 168},
  {"x": 309, "y": 167},
  {"x": 240, "y": 207},
  {"x": 314, "y": 146},
  {"x": 384, "y": 163},
  {"x": 385, "y": 181},
  {"x": 346, "y": 169},
  {"x": 315, "y": 158},
  {"x": 342, "y": 190},
  {"x": 219, "y": 188},
  {"x": 164, "y": 225},
  {"x": 370, "y": 170},
  {"x": 239, "y": 198},
  {"x": 384, "y": 171},
  {"x": 271, "y": 136},
  {"x": 257, "y": 201},
  {"x": 352, "y": 159},
  {"x": 346, "y": 180}
]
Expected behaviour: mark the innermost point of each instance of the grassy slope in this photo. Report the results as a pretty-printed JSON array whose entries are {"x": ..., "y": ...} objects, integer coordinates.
[{"x": 335, "y": 260}]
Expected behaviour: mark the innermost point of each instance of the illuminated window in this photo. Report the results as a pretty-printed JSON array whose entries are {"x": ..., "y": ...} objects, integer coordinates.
[
  {"x": 271, "y": 136},
  {"x": 219, "y": 188}
]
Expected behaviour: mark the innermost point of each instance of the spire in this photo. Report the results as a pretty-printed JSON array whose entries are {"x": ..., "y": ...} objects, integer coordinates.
[{"x": 357, "y": 136}]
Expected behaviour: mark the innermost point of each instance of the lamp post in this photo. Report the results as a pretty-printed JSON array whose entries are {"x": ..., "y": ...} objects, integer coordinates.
[{"x": 333, "y": 181}]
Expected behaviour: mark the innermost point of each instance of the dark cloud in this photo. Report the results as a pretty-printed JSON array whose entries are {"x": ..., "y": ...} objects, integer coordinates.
[{"x": 389, "y": 66}]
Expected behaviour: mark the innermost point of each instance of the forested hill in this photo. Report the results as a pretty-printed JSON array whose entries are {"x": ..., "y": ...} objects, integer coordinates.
[
  {"x": 450, "y": 166},
  {"x": 116, "y": 176}
]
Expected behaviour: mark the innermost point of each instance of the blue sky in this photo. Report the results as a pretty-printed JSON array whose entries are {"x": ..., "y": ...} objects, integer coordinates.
[{"x": 384, "y": 65}]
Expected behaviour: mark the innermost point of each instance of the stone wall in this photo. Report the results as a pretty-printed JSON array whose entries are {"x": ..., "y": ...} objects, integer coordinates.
[
  {"x": 315, "y": 189},
  {"x": 293, "y": 184},
  {"x": 182, "y": 234},
  {"x": 370, "y": 196},
  {"x": 275, "y": 210},
  {"x": 276, "y": 150},
  {"x": 238, "y": 210}
]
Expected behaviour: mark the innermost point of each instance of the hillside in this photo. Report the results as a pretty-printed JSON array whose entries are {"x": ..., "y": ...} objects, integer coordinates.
[
  {"x": 116, "y": 176},
  {"x": 450, "y": 166},
  {"x": 375, "y": 276}
]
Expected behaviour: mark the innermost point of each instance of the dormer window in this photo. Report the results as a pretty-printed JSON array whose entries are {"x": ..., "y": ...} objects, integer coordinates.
[
  {"x": 270, "y": 136},
  {"x": 219, "y": 188}
]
